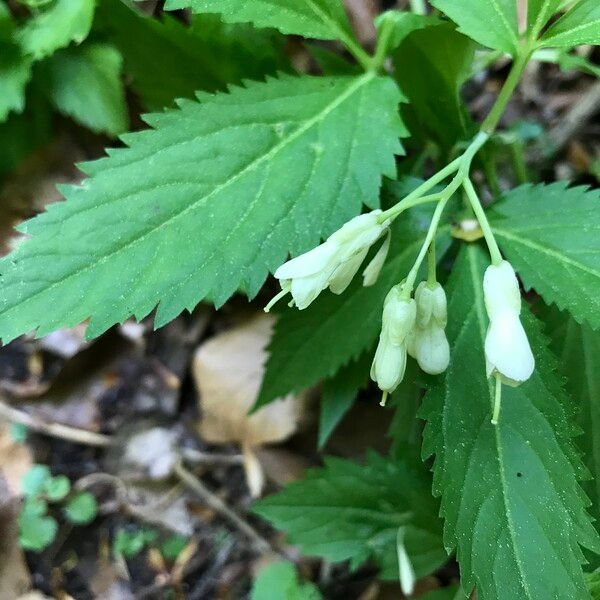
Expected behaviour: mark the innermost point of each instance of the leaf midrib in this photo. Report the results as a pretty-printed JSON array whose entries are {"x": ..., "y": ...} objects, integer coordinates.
[{"x": 349, "y": 91}]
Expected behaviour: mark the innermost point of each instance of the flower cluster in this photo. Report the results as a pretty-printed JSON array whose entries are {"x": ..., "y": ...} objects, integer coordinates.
[{"x": 335, "y": 262}]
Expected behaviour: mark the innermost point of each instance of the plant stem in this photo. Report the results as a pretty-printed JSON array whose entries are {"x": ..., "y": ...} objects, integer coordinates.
[
  {"x": 376, "y": 61},
  {"x": 519, "y": 164},
  {"x": 483, "y": 222},
  {"x": 362, "y": 57},
  {"x": 418, "y": 7},
  {"x": 497, "y": 402},
  {"x": 431, "y": 264},
  {"x": 491, "y": 121}
]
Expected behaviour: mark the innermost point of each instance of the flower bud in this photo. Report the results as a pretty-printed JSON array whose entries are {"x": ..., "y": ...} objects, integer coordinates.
[
  {"x": 333, "y": 264},
  {"x": 507, "y": 350},
  {"x": 429, "y": 344},
  {"x": 371, "y": 272},
  {"x": 398, "y": 320}
]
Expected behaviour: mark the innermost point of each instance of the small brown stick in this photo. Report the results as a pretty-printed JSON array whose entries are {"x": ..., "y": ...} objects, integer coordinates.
[
  {"x": 212, "y": 500},
  {"x": 211, "y": 458},
  {"x": 64, "y": 432}
]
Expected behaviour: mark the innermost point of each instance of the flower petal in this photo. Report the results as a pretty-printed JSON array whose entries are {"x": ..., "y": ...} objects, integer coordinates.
[
  {"x": 371, "y": 272},
  {"x": 344, "y": 273},
  {"x": 309, "y": 263}
]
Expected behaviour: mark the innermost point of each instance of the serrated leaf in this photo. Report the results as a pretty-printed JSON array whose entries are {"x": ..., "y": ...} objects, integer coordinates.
[
  {"x": 62, "y": 22},
  {"x": 339, "y": 394},
  {"x": 347, "y": 511},
  {"x": 15, "y": 69},
  {"x": 512, "y": 505},
  {"x": 401, "y": 24},
  {"x": 213, "y": 198},
  {"x": 431, "y": 67},
  {"x": 339, "y": 329},
  {"x": 550, "y": 233},
  {"x": 492, "y": 23},
  {"x": 167, "y": 60},
  {"x": 280, "y": 580},
  {"x": 580, "y": 25},
  {"x": 85, "y": 83},
  {"x": 321, "y": 19},
  {"x": 578, "y": 350}
]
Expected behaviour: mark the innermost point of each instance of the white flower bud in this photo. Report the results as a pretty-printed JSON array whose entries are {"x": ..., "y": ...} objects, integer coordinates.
[
  {"x": 429, "y": 344},
  {"x": 406, "y": 571},
  {"x": 507, "y": 350},
  {"x": 333, "y": 264},
  {"x": 398, "y": 320}
]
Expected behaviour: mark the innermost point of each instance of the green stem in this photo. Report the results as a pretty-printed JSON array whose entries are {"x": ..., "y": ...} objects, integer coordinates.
[
  {"x": 362, "y": 57},
  {"x": 418, "y": 7},
  {"x": 497, "y": 402},
  {"x": 483, "y": 222},
  {"x": 431, "y": 264},
  {"x": 491, "y": 121},
  {"x": 519, "y": 164},
  {"x": 405, "y": 204},
  {"x": 376, "y": 61}
]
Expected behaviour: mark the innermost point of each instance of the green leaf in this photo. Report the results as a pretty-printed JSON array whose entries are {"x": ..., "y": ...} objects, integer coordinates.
[
  {"x": 63, "y": 22},
  {"x": 339, "y": 394},
  {"x": 447, "y": 593},
  {"x": 550, "y": 233},
  {"x": 280, "y": 580},
  {"x": 339, "y": 329},
  {"x": 172, "y": 547},
  {"x": 15, "y": 69},
  {"x": 56, "y": 488},
  {"x": 513, "y": 509},
  {"x": 129, "y": 543},
  {"x": 580, "y": 25},
  {"x": 593, "y": 581},
  {"x": 81, "y": 509},
  {"x": 397, "y": 25},
  {"x": 431, "y": 67},
  {"x": 321, "y": 19},
  {"x": 539, "y": 12},
  {"x": 85, "y": 83},
  {"x": 213, "y": 198},
  {"x": 36, "y": 531},
  {"x": 166, "y": 60},
  {"x": 492, "y": 23},
  {"x": 578, "y": 350},
  {"x": 33, "y": 482},
  {"x": 347, "y": 511}
]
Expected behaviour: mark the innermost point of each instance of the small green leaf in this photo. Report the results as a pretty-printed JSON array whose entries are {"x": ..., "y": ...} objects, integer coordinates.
[
  {"x": 279, "y": 580},
  {"x": 513, "y": 508},
  {"x": 85, "y": 83},
  {"x": 81, "y": 509},
  {"x": 539, "y": 12},
  {"x": 347, "y": 511},
  {"x": 36, "y": 531},
  {"x": 550, "y": 233},
  {"x": 56, "y": 488},
  {"x": 580, "y": 25},
  {"x": 339, "y": 394},
  {"x": 172, "y": 547},
  {"x": 129, "y": 543},
  {"x": 321, "y": 19},
  {"x": 34, "y": 481},
  {"x": 56, "y": 26},
  {"x": 18, "y": 432},
  {"x": 211, "y": 199},
  {"x": 492, "y": 23}
]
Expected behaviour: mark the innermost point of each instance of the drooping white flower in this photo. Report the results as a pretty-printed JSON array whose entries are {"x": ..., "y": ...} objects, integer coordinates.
[
  {"x": 507, "y": 350},
  {"x": 371, "y": 272},
  {"x": 406, "y": 571},
  {"x": 428, "y": 343},
  {"x": 333, "y": 264},
  {"x": 389, "y": 364}
]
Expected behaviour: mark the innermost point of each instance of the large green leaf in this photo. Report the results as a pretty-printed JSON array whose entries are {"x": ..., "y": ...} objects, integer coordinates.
[
  {"x": 280, "y": 580},
  {"x": 63, "y": 22},
  {"x": 321, "y": 19},
  {"x": 431, "y": 66},
  {"x": 512, "y": 505},
  {"x": 348, "y": 511},
  {"x": 167, "y": 60},
  {"x": 338, "y": 329},
  {"x": 213, "y": 198},
  {"x": 539, "y": 12},
  {"x": 578, "y": 350},
  {"x": 492, "y": 23},
  {"x": 85, "y": 83},
  {"x": 551, "y": 234},
  {"x": 581, "y": 25}
]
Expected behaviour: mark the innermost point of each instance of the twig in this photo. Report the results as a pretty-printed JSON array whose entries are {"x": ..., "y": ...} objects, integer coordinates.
[
  {"x": 210, "y": 458},
  {"x": 192, "y": 482},
  {"x": 65, "y": 432}
]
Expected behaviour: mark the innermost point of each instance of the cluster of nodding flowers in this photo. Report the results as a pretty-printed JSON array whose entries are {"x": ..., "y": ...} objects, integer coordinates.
[{"x": 411, "y": 326}]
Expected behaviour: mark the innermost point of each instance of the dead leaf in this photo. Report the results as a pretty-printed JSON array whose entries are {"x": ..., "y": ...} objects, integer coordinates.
[
  {"x": 228, "y": 371},
  {"x": 15, "y": 460}
]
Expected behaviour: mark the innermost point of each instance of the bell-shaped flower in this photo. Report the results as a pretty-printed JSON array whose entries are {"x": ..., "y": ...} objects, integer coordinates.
[
  {"x": 428, "y": 343},
  {"x": 389, "y": 364},
  {"x": 371, "y": 273},
  {"x": 507, "y": 350},
  {"x": 333, "y": 264}
]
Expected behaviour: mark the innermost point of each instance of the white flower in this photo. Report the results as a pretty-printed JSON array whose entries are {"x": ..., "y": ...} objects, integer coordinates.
[
  {"x": 389, "y": 364},
  {"x": 405, "y": 569},
  {"x": 428, "y": 343},
  {"x": 507, "y": 350},
  {"x": 371, "y": 273},
  {"x": 333, "y": 264}
]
